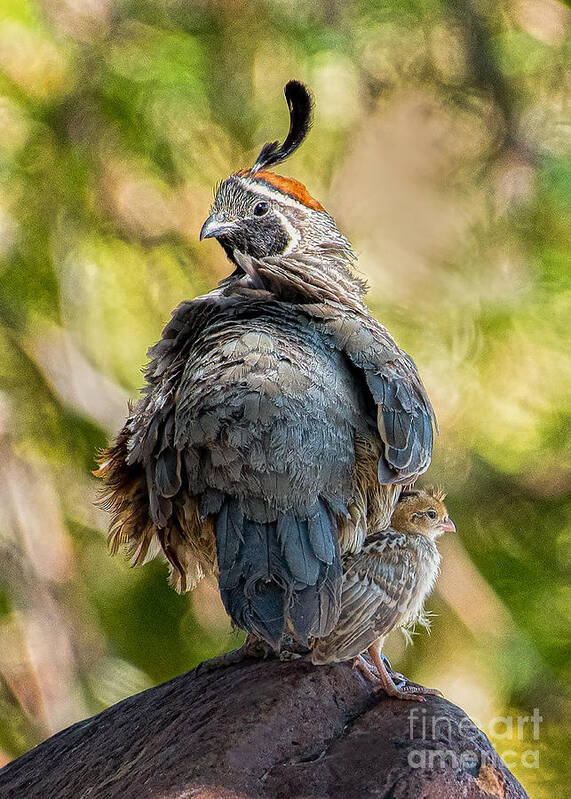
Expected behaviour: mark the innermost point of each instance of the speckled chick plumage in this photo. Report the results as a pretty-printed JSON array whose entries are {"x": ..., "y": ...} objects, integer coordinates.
[{"x": 385, "y": 585}]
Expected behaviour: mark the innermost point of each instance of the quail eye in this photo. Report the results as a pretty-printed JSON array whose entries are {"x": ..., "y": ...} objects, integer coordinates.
[
  {"x": 260, "y": 209},
  {"x": 431, "y": 514}
]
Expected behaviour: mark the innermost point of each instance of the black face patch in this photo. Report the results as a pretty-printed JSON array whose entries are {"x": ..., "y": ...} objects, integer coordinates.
[{"x": 256, "y": 236}]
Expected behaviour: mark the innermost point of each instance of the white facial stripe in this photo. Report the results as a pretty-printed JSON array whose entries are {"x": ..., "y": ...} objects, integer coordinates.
[
  {"x": 294, "y": 235},
  {"x": 283, "y": 199},
  {"x": 272, "y": 194}
]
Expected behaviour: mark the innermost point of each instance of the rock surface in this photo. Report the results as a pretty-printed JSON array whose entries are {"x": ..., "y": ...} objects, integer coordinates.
[{"x": 265, "y": 729}]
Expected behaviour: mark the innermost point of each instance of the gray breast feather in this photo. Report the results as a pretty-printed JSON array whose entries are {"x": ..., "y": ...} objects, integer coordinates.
[{"x": 280, "y": 408}]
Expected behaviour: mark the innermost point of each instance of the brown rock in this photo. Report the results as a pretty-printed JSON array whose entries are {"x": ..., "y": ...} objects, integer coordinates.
[{"x": 265, "y": 729}]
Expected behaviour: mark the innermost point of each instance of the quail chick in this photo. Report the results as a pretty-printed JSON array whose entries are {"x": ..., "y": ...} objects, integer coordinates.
[
  {"x": 385, "y": 586},
  {"x": 279, "y": 420}
]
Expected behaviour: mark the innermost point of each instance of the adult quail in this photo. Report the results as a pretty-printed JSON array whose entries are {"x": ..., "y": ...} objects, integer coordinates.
[
  {"x": 279, "y": 420},
  {"x": 385, "y": 586}
]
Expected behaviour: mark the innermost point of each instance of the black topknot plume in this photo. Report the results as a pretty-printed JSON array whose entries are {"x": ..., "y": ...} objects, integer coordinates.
[{"x": 299, "y": 104}]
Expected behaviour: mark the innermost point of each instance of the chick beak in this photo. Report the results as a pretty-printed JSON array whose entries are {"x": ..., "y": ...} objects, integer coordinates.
[
  {"x": 448, "y": 525},
  {"x": 215, "y": 226}
]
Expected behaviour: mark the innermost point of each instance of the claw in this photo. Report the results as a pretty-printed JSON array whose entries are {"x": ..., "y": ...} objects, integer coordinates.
[
  {"x": 252, "y": 648},
  {"x": 413, "y": 693},
  {"x": 286, "y": 656}
]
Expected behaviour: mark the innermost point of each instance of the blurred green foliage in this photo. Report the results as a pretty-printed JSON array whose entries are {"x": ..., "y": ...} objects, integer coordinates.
[{"x": 440, "y": 146}]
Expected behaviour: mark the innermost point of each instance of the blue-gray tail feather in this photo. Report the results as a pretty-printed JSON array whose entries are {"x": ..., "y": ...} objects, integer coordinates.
[{"x": 280, "y": 577}]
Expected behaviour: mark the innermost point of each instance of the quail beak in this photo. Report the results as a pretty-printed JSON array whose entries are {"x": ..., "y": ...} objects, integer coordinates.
[
  {"x": 216, "y": 226},
  {"x": 448, "y": 526}
]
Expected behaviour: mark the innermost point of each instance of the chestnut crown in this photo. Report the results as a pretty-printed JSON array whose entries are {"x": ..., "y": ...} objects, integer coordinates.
[{"x": 262, "y": 214}]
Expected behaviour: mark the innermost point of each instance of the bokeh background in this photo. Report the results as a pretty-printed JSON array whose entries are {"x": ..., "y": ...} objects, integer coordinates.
[{"x": 441, "y": 146}]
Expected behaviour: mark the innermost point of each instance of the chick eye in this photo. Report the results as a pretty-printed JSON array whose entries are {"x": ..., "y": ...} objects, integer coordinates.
[
  {"x": 431, "y": 514},
  {"x": 260, "y": 209}
]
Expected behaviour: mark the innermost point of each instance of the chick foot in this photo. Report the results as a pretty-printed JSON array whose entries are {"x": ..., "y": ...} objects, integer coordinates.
[
  {"x": 366, "y": 669},
  {"x": 385, "y": 681},
  {"x": 371, "y": 673}
]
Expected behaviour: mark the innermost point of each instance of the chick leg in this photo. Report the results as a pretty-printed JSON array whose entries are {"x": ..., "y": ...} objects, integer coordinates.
[
  {"x": 398, "y": 678},
  {"x": 387, "y": 663},
  {"x": 360, "y": 664},
  {"x": 414, "y": 693},
  {"x": 369, "y": 671}
]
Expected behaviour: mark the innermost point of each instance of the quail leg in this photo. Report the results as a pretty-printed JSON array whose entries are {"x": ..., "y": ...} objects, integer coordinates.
[
  {"x": 413, "y": 693},
  {"x": 252, "y": 648},
  {"x": 287, "y": 656},
  {"x": 292, "y": 649}
]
